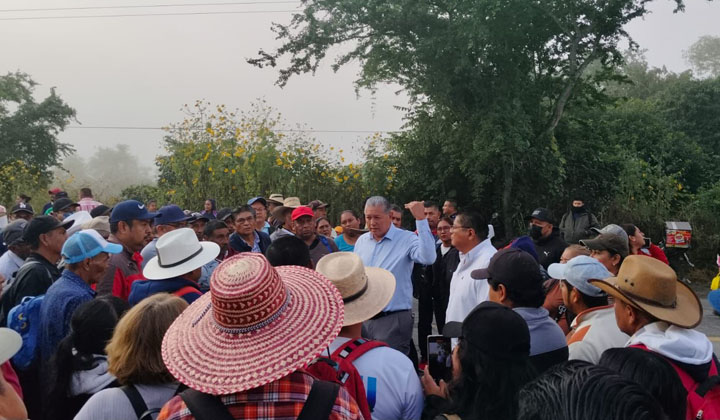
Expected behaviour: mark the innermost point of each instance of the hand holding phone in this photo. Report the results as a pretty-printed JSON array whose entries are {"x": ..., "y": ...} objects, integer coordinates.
[{"x": 439, "y": 357}]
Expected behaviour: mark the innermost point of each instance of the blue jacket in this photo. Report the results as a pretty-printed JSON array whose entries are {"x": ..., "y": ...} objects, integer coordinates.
[
  {"x": 237, "y": 243},
  {"x": 144, "y": 288},
  {"x": 58, "y": 306}
]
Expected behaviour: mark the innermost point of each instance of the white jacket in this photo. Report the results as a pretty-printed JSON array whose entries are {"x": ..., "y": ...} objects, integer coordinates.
[{"x": 592, "y": 332}]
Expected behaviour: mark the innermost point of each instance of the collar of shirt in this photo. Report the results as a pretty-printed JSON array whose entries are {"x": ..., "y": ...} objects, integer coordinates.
[
  {"x": 14, "y": 258},
  {"x": 474, "y": 253},
  {"x": 390, "y": 234},
  {"x": 76, "y": 280}
]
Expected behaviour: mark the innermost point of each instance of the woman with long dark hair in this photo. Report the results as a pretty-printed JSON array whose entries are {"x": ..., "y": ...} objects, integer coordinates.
[
  {"x": 638, "y": 246},
  {"x": 209, "y": 210},
  {"x": 491, "y": 363},
  {"x": 79, "y": 367}
]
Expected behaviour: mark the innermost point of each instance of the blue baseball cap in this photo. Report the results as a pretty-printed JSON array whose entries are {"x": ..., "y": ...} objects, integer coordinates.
[
  {"x": 256, "y": 199},
  {"x": 578, "y": 271},
  {"x": 87, "y": 244},
  {"x": 131, "y": 210},
  {"x": 171, "y": 214}
]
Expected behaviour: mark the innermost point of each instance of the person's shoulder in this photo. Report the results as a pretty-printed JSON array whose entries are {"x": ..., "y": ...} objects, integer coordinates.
[
  {"x": 263, "y": 235},
  {"x": 97, "y": 406}
]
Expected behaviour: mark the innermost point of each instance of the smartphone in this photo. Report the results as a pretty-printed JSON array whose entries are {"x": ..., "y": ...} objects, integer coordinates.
[
  {"x": 439, "y": 357},
  {"x": 647, "y": 243}
]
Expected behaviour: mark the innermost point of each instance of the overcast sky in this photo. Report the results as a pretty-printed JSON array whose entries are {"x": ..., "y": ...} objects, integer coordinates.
[{"x": 138, "y": 71}]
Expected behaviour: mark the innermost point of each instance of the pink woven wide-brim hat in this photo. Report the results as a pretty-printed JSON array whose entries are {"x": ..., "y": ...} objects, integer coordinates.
[{"x": 256, "y": 325}]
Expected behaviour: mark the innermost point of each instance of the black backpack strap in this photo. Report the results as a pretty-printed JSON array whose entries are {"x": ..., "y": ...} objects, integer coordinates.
[
  {"x": 148, "y": 415},
  {"x": 132, "y": 394},
  {"x": 205, "y": 406},
  {"x": 320, "y": 401},
  {"x": 706, "y": 385}
]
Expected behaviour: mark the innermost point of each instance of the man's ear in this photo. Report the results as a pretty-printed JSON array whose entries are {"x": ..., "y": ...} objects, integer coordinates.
[
  {"x": 502, "y": 291},
  {"x": 574, "y": 296},
  {"x": 615, "y": 259}
]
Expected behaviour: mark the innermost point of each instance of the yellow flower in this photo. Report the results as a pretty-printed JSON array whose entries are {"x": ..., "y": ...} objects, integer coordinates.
[
  {"x": 233, "y": 171},
  {"x": 210, "y": 131},
  {"x": 226, "y": 170},
  {"x": 279, "y": 162},
  {"x": 210, "y": 169},
  {"x": 345, "y": 178},
  {"x": 322, "y": 174},
  {"x": 356, "y": 176},
  {"x": 284, "y": 154}
]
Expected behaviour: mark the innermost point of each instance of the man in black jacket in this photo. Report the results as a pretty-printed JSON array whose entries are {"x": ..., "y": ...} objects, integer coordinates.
[
  {"x": 246, "y": 238},
  {"x": 577, "y": 224},
  {"x": 46, "y": 236},
  {"x": 549, "y": 246}
]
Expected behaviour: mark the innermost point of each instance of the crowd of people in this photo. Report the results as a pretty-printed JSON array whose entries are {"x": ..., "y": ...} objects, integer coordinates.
[{"x": 268, "y": 310}]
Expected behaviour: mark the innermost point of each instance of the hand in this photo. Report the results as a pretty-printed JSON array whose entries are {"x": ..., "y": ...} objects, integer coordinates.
[
  {"x": 430, "y": 387},
  {"x": 417, "y": 208}
]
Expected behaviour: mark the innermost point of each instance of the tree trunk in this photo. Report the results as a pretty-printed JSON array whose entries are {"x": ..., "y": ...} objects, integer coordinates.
[{"x": 508, "y": 169}]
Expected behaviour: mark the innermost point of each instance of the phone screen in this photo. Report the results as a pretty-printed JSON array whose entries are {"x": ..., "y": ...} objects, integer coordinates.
[{"x": 439, "y": 357}]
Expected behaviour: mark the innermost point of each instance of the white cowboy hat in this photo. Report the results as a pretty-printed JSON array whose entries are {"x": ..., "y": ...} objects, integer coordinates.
[
  {"x": 365, "y": 290},
  {"x": 179, "y": 252}
]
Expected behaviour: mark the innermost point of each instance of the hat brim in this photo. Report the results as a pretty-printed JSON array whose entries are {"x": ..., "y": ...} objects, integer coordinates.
[
  {"x": 452, "y": 329},
  {"x": 557, "y": 271},
  {"x": 594, "y": 244},
  {"x": 271, "y": 201},
  {"x": 153, "y": 271},
  {"x": 203, "y": 357},
  {"x": 380, "y": 290},
  {"x": 687, "y": 312},
  {"x": 480, "y": 274},
  {"x": 278, "y": 211},
  {"x": 10, "y": 343}
]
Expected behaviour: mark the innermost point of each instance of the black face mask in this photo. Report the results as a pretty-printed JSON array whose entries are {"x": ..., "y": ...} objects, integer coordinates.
[
  {"x": 578, "y": 209},
  {"x": 535, "y": 232}
]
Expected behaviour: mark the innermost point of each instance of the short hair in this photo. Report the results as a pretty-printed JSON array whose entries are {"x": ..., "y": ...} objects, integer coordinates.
[
  {"x": 589, "y": 301},
  {"x": 474, "y": 221},
  {"x": 429, "y": 203},
  {"x": 243, "y": 209},
  {"x": 212, "y": 226},
  {"x": 85, "y": 192},
  {"x": 445, "y": 219},
  {"x": 353, "y": 212},
  {"x": 114, "y": 225},
  {"x": 378, "y": 200},
  {"x": 320, "y": 219},
  {"x": 578, "y": 250},
  {"x": 452, "y": 202},
  {"x": 134, "y": 353},
  {"x": 523, "y": 297},
  {"x": 395, "y": 207},
  {"x": 653, "y": 373},
  {"x": 288, "y": 250},
  {"x": 580, "y": 390}
]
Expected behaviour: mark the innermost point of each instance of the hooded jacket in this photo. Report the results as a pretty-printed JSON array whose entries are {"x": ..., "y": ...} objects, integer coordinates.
[{"x": 574, "y": 227}]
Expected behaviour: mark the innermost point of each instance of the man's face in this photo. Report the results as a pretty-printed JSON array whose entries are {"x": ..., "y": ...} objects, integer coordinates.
[
  {"x": 198, "y": 227},
  {"x": 621, "y": 317},
  {"x": 378, "y": 222},
  {"x": 460, "y": 235},
  {"x": 152, "y": 206},
  {"x": 139, "y": 234},
  {"x": 54, "y": 240},
  {"x": 605, "y": 258},
  {"x": 320, "y": 212},
  {"x": 432, "y": 214},
  {"x": 567, "y": 255},
  {"x": 395, "y": 217},
  {"x": 304, "y": 227},
  {"x": 443, "y": 231},
  {"x": 546, "y": 228},
  {"x": 260, "y": 211},
  {"x": 221, "y": 237},
  {"x": 448, "y": 209},
  {"x": 578, "y": 203},
  {"x": 97, "y": 266},
  {"x": 244, "y": 223}
]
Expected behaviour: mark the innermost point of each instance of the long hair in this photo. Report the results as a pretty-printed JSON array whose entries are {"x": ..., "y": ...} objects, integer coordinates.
[
  {"x": 134, "y": 353},
  {"x": 488, "y": 386},
  {"x": 91, "y": 327}
]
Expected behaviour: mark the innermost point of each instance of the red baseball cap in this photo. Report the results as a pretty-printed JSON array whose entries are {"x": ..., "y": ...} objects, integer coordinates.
[
  {"x": 54, "y": 191},
  {"x": 302, "y": 211}
]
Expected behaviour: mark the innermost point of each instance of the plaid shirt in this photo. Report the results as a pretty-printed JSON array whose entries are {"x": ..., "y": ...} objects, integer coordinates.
[{"x": 281, "y": 399}]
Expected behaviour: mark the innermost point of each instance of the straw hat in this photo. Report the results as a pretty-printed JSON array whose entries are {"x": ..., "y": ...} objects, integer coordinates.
[
  {"x": 179, "y": 252},
  {"x": 365, "y": 290},
  {"x": 257, "y": 324},
  {"x": 652, "y": 286},
  {"x": 276, "y": 199},
  {"x": 289, "y": 203}
]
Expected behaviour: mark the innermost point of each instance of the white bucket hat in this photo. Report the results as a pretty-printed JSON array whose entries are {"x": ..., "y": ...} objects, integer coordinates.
[{"x": 179, "y": 252}]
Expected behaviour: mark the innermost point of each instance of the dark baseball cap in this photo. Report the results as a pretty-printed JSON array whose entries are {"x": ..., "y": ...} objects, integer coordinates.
[
  {"x": 317, "y": 204},
  {"x": 62, "y": 203},
  {"x": 171, "y": 214},
  {"x": 13, "y": 232},
  {"x": 610, "y": 242},
  {"x": 541, "y": 214},
  {"x": 101, "y": 210},
  {"x": 22, "y": 207},
  {"x": 131, "y": 210},
  {"x": 194, "y": 217},
  {"x": 494, "y": 329},
  {"x": 224, "y": 213},
  {"x": 513, "y": 267},
  {"x": 42, "y": 224}
]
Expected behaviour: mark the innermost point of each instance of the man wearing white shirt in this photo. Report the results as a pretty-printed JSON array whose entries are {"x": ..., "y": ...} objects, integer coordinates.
[
  {"x": 470, "y": 237},
  {"x": 395, "y": 250}
]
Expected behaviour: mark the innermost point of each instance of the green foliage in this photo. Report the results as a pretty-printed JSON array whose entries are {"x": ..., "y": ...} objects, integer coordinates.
[
  {"x": 704, "y": 56},
  {"x": 28, "y": 135},
  {"x": 142, "y": 193}
]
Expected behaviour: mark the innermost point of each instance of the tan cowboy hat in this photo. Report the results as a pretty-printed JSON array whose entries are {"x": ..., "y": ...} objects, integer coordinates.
[
  {"x": 289, "y": 204},
  {"x": 652, "y": 286},
  {"x": 276, "y": 199},
  {"x": 365, "y": 290}
]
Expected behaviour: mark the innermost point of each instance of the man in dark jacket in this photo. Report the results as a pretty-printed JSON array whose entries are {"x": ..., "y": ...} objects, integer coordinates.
[
  {"x": 546, "y": 237},
  {"x": 246, "y": 238},
  {"x": 577, "y": 224},
  {"x": 46, "y": 236}
]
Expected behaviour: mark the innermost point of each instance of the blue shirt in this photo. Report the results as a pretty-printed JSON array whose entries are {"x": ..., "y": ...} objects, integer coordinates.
[
  {"x": 58, "y": 306},
  {"x": 396, "y": 252},
  {"x": 144, "y": 288},
  {"x": 342, "y": 245}
]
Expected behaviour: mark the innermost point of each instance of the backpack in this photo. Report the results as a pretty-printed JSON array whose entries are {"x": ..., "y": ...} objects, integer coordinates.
[
  {"x": 339, "y": 368},
  {"x": 703, "y": 399},
  {"x": 138, "y": 404},
  {"x": 25, "y": 319},
  {"x": 318, "y": 406}
]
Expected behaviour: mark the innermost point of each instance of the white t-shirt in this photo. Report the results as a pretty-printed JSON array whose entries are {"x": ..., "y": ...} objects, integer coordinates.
[
  {"x": 392, "y": 386},
  {"x": 466, "y": 292}
]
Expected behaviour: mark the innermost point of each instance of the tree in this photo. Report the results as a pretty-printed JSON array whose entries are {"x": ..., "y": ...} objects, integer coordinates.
[
  {"x": 704, "y": 56},
  {"x": 28, "y": 135},
  {"x": 489, "y": 80}
]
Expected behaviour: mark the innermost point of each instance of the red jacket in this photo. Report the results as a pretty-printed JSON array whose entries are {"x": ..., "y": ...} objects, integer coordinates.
[
  {"x": 655, "y": 252},
  {"x": 123, "y": 269}
]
